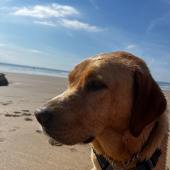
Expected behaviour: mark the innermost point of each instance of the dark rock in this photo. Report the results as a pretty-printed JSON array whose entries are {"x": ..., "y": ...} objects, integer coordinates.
[{"x": 3, "y": 80}]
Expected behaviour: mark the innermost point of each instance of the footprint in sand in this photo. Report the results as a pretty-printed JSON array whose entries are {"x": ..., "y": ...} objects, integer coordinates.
[
  {"x": 8, "y": 115},
  {"x": 17, "y": 112},
  {"x": 12, "y": 130},
  {"x": 16, "y": 115},
  {"x": 28, "y": 119},
  {"x": 2, "y": 139},
  {"x": 12, "y": 115},
  {"x": 20, "y": 114},
  {"x": 6, "y": 103},
  {"x": 73, "y": 150},
  {"x": 25, "y": 110},
  {"x": 26, "y": 114}
]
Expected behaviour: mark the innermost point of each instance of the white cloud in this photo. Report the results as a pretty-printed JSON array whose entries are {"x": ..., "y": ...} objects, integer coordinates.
[
  {"x": 34, "y": 51},
  {"x": 47, "y": 23},
  {"x": 131, "y": 46},
  {"x": 71, "y": 24},
  {"x": 47, "y": 11},
  {"x": 78, "y": 25},
  {"x": 56, "y": 15}
]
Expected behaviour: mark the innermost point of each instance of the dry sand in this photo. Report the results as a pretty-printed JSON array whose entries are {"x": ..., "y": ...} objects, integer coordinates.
[{"x": 22, "y": 145}]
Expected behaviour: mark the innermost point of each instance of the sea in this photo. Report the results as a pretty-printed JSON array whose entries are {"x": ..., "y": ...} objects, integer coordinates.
[{"x": 14, "y": 68}]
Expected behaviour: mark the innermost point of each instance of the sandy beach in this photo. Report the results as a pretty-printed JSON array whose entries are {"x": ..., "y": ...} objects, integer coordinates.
[{"x": 22, "y": 145}]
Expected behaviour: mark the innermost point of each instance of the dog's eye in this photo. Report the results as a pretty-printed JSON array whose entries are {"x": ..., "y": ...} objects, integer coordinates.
[{"x": 95, "y": 86}]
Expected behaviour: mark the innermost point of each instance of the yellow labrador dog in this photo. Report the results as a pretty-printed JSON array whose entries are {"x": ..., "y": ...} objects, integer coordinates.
[{"x": 112, "y": 102}]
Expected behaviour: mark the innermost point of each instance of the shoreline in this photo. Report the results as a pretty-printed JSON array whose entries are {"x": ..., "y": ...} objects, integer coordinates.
[{"x": 34, "y": 74}]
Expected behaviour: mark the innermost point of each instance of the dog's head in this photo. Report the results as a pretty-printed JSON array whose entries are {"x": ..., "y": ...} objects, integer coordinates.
[{"x": 110, "y": 90}]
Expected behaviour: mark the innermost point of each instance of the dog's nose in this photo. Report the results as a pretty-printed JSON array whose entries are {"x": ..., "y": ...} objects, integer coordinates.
[{"x": 43, "y": 116}]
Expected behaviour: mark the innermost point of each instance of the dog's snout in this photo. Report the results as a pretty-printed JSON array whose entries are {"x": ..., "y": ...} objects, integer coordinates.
[{"x": 43, "y": 116}]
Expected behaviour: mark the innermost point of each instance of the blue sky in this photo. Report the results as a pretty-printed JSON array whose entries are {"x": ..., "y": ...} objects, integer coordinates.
[{"x": 59, "y": 34}]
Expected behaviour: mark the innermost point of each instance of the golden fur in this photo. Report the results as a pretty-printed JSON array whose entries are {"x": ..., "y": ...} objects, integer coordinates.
[{"x": 113, "y": 98}]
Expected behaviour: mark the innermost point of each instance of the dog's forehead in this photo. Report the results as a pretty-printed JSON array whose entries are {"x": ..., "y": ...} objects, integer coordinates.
[
  {"x": 87, "y": 68},
  {"x": 91, "y": 64},
  {"x": 102, "y": 64}
]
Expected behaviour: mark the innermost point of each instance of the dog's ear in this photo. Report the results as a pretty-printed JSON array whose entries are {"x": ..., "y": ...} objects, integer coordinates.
[{"x": 148, "y": 102}]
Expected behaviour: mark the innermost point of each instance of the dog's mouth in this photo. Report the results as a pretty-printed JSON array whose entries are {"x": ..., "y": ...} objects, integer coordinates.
[
  {"x": 57, "y": 141},
  {"x": 54, "y": 142},
  {"x": 88, "y": 140}
]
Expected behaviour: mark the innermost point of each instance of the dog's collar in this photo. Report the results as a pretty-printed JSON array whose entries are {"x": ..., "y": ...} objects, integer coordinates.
[
  {"x": 143, "y": 165},
  {"x": 140, "y": 165}
]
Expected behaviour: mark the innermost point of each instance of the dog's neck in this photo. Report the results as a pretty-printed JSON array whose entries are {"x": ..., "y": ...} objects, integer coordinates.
[
  {"x": 144, "y": 165},
  {"x": 136, "y": 157},
  {"x": 125, "y": 146}
]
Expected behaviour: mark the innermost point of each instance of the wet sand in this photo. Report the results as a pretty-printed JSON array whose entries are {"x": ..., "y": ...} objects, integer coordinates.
[{"x": 22, "y": 145}]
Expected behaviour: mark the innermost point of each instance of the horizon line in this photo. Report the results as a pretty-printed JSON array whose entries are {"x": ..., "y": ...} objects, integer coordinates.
[{"x": 34, "y": 67}]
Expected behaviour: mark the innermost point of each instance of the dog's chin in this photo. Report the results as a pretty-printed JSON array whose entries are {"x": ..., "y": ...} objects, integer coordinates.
[
  {"x": 54, "y": 142},
  {"x": 57, "y": 141}
]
